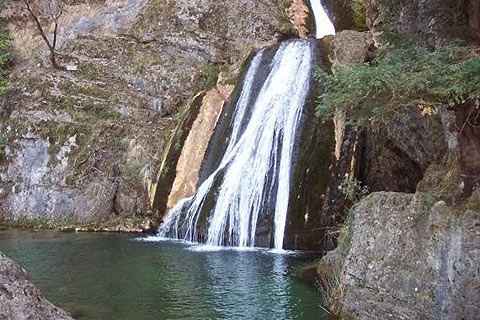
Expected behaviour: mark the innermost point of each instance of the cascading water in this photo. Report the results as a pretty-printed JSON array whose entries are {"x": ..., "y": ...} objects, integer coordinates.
[
  {"x": 323, "y": 24},
  {"x": 251, "y": 182}
]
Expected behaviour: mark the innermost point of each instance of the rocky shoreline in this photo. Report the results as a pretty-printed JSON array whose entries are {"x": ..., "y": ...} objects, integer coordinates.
[
  {"x": 20, "y": 299},
  {"x": 125, "y": 225}
]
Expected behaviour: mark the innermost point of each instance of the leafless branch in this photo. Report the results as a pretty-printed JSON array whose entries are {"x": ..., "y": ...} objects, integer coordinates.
[{"x": 55, "y": 9}]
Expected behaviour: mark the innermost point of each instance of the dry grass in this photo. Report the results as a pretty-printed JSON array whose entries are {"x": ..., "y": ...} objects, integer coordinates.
[
  {"x": 25, "y": 41},
  {"x": 331, "y": 288}
]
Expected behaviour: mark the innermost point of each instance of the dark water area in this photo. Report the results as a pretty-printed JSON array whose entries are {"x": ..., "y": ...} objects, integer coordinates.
[{"x": 117, "y": 277}]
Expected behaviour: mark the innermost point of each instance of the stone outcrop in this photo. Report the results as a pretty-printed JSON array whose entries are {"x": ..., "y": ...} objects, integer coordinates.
[
  {"x": 350, "y": 47},
  {"x": 413, "y": 253},
  {"x": 196, "y": 144},
  {"x": 298, "y": 12},
  {"x": 411, "y": 257},
  {"x": 396, "y": 155},
  {"x": 85, "y": 145},
  {"x": 433, "y": 21},
  {"x": 20, "y": 299}
]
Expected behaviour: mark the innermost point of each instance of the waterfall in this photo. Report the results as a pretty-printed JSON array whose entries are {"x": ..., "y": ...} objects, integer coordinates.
[
  {"x": 248, "y": 187},
  {"x": 323, "y": 24},
  {"x": 256, "y": 167}
]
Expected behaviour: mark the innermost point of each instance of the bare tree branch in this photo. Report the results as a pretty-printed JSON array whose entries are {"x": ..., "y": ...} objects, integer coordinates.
[{"x": 55, "y": 11}]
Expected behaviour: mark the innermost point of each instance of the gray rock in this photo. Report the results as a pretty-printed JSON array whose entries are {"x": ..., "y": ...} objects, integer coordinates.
[
  {"x": 138, "y": 61},
  {"x": 433, "y": 21},
  {"x": 35, "y": 180},
  {"x": 396, "y": 156},
  {"x": 411, "y": 258},
  {"x": 20, "y": 299},
  {"x": 350, "y": 47}
]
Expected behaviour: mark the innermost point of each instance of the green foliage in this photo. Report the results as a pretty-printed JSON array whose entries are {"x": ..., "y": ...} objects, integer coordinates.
[
  {"x": 5, "y": 56},
  {"x": 209, "y": 76},
  {"x": 352, "y": 189},
  {"x": 3, "y": 144},
  {"x": 400, "y": 76},
  {"x": 359, "y": 14}
]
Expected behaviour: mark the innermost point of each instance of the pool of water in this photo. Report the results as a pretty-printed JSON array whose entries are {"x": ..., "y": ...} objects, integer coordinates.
[{"x": 118, "y": 277}]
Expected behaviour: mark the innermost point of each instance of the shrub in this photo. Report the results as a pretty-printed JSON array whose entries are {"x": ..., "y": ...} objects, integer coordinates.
[
  {"x": 3, "y": 144},
  {"x": 352, "y": 189},
  {"x": 401, "y": 75},
  {"x": 359, "y": 14},
  {"x": 209, "y": 76}
]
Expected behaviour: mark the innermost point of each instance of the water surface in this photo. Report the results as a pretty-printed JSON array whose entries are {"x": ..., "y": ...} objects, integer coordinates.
[{"x": 115, "y": 277}]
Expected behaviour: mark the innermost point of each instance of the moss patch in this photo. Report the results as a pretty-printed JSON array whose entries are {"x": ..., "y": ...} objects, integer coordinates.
[
  {"x": 5, "y": 55},
  {"x": 359, "y": 15}
]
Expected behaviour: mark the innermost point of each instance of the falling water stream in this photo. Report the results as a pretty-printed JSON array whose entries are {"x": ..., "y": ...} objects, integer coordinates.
[
  {"x": 256, "y": 166},
  {"x": 252, "y": 182},
  {"x": 323, "y": 24}
]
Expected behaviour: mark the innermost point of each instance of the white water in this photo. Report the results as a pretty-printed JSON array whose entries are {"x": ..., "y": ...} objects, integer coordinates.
[
  {"x": 323, "y": 25},
  {"x": 257, "y": 162}
]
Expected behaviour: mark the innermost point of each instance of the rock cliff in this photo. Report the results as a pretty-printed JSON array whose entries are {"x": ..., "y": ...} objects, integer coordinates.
[
  {"x": 412, "y": 253},
  {"x": 411, "y": 257},
  {"x": 84, "y": 145}
]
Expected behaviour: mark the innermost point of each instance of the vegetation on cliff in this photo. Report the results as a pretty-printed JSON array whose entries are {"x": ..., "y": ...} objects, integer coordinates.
[
  {"x": 5, "y": 56},
  {"x": 401, "y": 75}
]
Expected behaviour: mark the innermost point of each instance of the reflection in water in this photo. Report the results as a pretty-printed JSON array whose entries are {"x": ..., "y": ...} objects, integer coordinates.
[{"x": 113, "y": 277}]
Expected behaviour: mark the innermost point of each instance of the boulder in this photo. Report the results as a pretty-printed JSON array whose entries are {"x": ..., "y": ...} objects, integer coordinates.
[
  {"x": 411, "y": 257},
  {"x": 20, "y": 299}
]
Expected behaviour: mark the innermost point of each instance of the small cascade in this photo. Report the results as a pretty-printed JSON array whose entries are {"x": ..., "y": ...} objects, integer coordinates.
[
  {"x": 323, "y": 24},
  {"x": 244, "y": 195}
]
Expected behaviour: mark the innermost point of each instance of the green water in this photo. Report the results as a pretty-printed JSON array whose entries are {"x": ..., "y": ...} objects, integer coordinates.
[{"x": 115, "y": 277}]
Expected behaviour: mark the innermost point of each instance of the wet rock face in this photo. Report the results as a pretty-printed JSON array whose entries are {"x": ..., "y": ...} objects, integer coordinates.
[
  {"x": 411, "y": 258},
  {"x": 341, "y": 13},
  {"x": 20, "y": 299}
]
